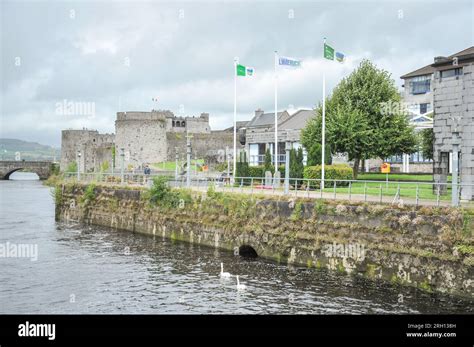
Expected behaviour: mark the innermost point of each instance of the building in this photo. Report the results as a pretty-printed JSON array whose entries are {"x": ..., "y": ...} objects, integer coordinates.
[
  {"x": 453, "y": 89},
  {"x": 89, "y": 149},
  {"x": 144, "y": 138},
  {"x": 260, "y": 134}
]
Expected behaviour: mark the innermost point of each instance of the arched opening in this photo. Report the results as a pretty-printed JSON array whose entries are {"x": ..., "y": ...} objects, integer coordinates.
[
  {"x": 247, "y": 251},
  {"x": 19, "y": 175},
  {"x": 174, "y": 124}
]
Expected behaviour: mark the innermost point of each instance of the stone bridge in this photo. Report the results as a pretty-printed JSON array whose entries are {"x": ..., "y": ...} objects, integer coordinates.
[{"x": 41, "y": 168}]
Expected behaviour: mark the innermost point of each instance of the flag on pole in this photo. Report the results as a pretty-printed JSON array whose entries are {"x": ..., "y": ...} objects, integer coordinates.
[
  {"x": 244, "y": 70},
  {"x": 328, "y": 52},
  {"x": 340, "y": 57},
  {"x": 289, "y": 62}
]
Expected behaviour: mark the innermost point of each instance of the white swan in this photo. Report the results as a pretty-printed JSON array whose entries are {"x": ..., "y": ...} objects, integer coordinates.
[
  {"x": 240, "y": 286},
  {"x": 224, "y": 274}
]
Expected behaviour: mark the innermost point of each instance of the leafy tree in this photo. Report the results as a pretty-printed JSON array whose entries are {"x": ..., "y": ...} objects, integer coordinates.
[
  {"x": 268, "y": 166},
  {"x": 296, "y": 164},
  {"x": 315, "y": 154},
  {"x": 242, "y": 166},
  {"x": 427, "y": 142},
  {"x": 357, "y": 122}
]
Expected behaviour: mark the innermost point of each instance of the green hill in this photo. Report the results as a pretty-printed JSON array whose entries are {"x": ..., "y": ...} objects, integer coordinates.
[{"x": 28, "y": 150}]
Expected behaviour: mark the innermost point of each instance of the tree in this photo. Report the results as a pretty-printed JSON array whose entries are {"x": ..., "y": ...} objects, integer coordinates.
[
  {"x": 242, "y": 166},
  {"x": 357, "y": 122},
  {"x": 296, "y": 164},
  {"x": 315, "y": 154},
  {"x": 426, "y": 143},
  {"x": 268, "y": 161}
]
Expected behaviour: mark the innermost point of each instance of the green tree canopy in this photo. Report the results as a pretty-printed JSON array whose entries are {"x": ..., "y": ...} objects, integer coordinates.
[
  {"x": 357, "y": 120},
  {"x": 426, "y": 143}
]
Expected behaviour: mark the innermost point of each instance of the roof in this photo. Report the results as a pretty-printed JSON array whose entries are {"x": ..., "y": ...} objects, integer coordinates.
[
  {"x": 239, "y": 123},
  {"x": 265, "y": 119},
  {"x": 298, "y": 120},
  {"x": 429, "y": 69}
]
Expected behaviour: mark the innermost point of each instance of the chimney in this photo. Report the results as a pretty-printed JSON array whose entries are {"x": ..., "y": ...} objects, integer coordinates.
[{"x": 258, "y": 112}]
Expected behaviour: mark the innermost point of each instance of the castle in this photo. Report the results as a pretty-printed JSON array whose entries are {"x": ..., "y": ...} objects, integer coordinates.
[{"x": 143, "y": 138}]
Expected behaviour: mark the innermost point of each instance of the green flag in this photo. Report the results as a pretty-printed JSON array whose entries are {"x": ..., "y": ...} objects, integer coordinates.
[
  {"x": 328, "y": 52},
  {"x": 244, "y": 70},
  {"x": 240, "y": 70}
]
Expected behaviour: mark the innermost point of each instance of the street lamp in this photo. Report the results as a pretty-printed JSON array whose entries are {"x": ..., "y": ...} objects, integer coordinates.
[
  {"x": 122, "y": 163},
  {"x": 455, "y": 174},
  {"x": 188, "y": 160},
  {"x": 78, "y": 164},
  {"x": 287, "y": 167}
]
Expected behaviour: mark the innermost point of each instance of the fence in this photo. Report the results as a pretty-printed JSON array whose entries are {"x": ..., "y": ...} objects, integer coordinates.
[{"x": 412, "y": 193}]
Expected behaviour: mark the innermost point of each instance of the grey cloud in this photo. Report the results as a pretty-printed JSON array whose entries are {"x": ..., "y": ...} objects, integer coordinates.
[{"x": 189, "y": 60}]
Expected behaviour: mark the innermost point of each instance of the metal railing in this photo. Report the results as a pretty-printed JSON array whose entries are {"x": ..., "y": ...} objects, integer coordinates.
[{"x": 392, "y": 192}]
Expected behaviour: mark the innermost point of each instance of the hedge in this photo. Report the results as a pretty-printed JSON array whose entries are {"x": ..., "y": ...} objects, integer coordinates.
[{"x": 331, "y": 172}]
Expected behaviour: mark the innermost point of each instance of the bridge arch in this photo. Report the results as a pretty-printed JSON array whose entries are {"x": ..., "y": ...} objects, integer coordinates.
[
  {"x": 8, "y": 174},
  {"x": 42, "y": 168},
  {"x": 247, "y": 251}
]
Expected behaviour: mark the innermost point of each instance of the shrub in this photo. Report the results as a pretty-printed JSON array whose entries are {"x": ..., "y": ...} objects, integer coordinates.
[
  {"x": 268, "y": 162},
  {"x": 161, "y": 194},
  {"x": 72, "y": 167},
  {"x": 332, "y": 172},
  {"x": 89, "y": 194},
  {"x": 257, "y": 171}
]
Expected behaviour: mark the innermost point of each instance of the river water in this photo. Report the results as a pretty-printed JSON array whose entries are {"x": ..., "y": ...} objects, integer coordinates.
[{"x": 83, "y": 269}]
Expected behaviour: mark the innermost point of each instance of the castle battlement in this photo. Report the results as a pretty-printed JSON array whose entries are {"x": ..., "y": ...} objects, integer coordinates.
[{"x": 143, "y": 116}]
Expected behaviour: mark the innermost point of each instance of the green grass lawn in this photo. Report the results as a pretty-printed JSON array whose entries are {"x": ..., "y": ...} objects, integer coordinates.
[
  {"x": 397, "y": 177},
  {"x": 425, "y": 191},
  {"x": 407, "y": 190},
  {"x": 171, "y": 165}
]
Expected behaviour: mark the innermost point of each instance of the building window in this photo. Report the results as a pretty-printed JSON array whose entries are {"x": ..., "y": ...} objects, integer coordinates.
[
  {"x": 420, "y": 85},
  {"x": 451, "y": 73},
  {"x": 423, "y": 108}
]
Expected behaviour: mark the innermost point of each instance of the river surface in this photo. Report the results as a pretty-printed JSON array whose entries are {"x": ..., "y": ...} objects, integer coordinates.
[{"x": 83, "y": 269}]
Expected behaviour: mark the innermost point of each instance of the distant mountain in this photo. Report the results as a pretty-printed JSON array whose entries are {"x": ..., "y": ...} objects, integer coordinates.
[{"x": 27, "y": 150}]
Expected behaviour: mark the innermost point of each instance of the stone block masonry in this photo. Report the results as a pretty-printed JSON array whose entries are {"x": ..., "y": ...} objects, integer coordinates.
[
  {"x": 145, "y": 137},
  {"x": 429, "y": 248}
]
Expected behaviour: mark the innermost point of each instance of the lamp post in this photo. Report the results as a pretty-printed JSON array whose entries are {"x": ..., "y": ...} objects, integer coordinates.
[
  {"x": 455, "y": 174},
  {"x": 188, "y": 160},
  {"x": 228, "y": 162},
  {"x": 78, "y": 160},
  {"x": 122, "y": 164},
  {"x": 287, "y": 167},
  {"x": 176, "y": 157}
]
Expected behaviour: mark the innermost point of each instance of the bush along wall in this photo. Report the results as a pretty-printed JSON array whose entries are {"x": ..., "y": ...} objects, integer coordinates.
[{"x": 331, "y": 172}]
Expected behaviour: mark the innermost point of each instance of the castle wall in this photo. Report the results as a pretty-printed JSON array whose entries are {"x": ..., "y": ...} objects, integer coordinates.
[
  {"x": 87, "y": 142},
  {"x": 202, "y": 144},
  {"x": 142, "y": 135}
]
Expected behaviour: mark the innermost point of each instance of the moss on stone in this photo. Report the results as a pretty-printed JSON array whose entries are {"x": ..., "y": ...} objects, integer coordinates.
[{"x": 426, "y": 286}]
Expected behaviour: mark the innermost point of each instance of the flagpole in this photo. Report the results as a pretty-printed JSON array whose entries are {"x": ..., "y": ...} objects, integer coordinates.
[
  {"x": 234, "y": 171},
  {"x": 323, "y": 128},
  {"x": 276, "y": 113}
]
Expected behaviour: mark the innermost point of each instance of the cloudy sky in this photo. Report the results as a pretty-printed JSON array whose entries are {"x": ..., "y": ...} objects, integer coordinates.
[{"x": 120, "y": 55}]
